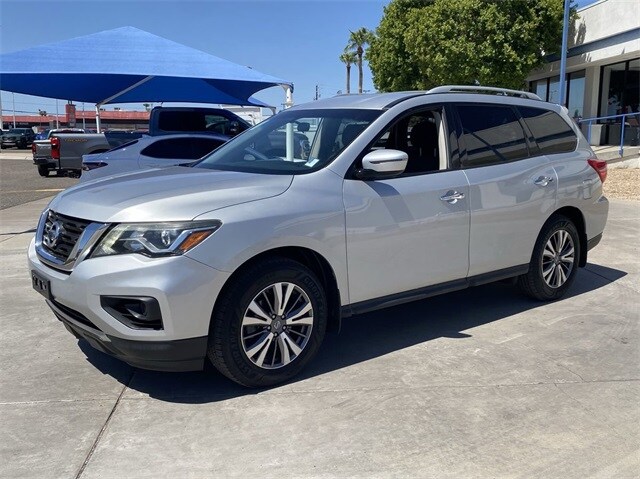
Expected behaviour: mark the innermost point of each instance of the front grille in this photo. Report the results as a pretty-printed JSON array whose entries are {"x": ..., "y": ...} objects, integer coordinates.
[{"x": 61, "y": 233}]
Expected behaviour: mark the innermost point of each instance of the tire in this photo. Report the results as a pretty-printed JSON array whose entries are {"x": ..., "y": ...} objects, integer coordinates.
[
  {"x": 43, "y": 170},
  {"x": 252, "y": 346},
  {"x": 554, "y": 262}
]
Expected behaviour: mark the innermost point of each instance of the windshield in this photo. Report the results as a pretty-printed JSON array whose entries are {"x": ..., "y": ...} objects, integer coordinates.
[
  {"x": 291, "y": 142},
  {"x": 18, "y": 130}
]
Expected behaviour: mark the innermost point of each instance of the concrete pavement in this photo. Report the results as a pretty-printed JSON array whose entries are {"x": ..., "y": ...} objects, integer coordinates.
[{"x": 474, "y": 384}]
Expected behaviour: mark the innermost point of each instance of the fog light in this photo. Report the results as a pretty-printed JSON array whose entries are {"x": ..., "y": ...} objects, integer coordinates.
[{"x": 133, "y": 311}]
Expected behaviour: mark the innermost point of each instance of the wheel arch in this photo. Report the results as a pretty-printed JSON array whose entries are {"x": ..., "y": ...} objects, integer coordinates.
[
  {"x": 312, "y": 260},
  {"x": 577, "y": 218}
]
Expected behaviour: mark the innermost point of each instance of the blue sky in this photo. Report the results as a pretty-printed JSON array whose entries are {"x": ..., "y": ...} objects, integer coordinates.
[
  {"x": 298, "y": 40},
  {"x": 294, "y": 40}
]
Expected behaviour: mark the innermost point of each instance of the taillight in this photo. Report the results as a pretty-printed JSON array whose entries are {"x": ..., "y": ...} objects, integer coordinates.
[
  {"x": 55, "y": 148},
  {"x": 33, "y": 148},
  {"x": 600, "y": 167}
]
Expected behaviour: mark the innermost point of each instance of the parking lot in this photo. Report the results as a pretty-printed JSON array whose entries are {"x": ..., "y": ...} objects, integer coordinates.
[{"x": 474, "y": 384}]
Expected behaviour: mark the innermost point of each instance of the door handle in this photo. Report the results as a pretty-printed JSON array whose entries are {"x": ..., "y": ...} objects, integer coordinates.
[
  {"x": 452, "y": 197},
  {"x": 543, "y": 180}
]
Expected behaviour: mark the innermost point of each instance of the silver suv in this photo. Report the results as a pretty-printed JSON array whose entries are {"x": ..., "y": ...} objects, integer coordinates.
[{"x": 250, "y": 256}]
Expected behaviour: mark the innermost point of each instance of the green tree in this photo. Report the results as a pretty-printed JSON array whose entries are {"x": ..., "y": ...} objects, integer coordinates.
[
  {"x": 493, "y": 42},
  {"x": 393, "y": 66},
  {"x": 357, "y": 41},
  {"x": 349, "y": 58}
]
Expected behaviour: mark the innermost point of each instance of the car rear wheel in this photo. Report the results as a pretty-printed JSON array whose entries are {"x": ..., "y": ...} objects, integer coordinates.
[
  {"x": 554, "y": 262},
  {"x": 43, "y": 170},
  {"x": 268, "y": 323}
]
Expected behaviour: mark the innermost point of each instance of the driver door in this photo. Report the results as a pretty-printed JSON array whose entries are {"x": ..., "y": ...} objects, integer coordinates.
[{"x": 402, "y": 234}]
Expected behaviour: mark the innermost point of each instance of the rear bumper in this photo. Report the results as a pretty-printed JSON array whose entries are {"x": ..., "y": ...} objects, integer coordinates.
[
  {"x": 177, "y": 355},
  {"x": 44, "y": 161}
]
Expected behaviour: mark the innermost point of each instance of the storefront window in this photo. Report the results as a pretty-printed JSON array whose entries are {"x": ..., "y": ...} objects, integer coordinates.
[
  {"x": 576, "y": 94},
  {"x": 540, "y": 88},
  {"x": 554, "y": 90},
  {"x": 632, "y": 87},
  {"x": 620, "y": 88}
]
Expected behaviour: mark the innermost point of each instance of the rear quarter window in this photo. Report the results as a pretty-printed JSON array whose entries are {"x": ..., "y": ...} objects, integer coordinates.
[
  {"x": 551, "y": 132},
  {"x": 492, "y": 134}
]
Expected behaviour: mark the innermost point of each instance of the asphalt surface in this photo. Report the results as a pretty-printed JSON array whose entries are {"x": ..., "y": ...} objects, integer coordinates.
[
  {"x": 482, "y": 383},
  {"x": 20, "y": 182}
]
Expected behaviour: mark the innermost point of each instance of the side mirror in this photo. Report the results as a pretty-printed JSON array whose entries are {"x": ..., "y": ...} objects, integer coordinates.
[
  {"x": 303, "y": 126},
  {"x": 382, "y": 164}
]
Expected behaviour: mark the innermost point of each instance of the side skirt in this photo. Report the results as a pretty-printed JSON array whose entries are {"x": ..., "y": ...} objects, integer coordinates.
[{"x": 433, "y": 290}]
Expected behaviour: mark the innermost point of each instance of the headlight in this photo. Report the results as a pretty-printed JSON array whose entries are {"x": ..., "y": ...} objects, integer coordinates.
[{"x": 161, "y": 239}]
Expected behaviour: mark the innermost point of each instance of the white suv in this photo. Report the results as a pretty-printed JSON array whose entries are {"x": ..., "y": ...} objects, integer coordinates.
[{"x": 248, "y": 257}]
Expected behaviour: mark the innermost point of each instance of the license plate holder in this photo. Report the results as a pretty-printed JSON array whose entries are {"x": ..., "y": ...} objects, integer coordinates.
[{"x": 41, "y": 284}]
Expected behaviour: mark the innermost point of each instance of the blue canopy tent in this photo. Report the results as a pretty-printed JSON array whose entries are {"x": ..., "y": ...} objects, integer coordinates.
[{"x": 128, "y": 65}]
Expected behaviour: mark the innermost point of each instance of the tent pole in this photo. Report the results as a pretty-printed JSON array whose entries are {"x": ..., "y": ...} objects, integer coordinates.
[
  {"x": 98, "y": 117},
  {"x": 112, "y": 97},
  {"x": 126, "y": 90},
  {"x": 288, "y": 93}
]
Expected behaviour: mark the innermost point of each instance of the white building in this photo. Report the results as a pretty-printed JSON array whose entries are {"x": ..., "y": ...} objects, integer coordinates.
[{"x": 603, "y": 69}]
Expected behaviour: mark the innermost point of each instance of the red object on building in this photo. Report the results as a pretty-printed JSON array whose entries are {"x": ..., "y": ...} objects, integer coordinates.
[{"x": 70, "y": 110}]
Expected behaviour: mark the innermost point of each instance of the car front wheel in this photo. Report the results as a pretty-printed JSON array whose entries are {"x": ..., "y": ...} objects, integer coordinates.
[
  {"x": 268, "y": 323},
  {"x": 554, "y": 262}
]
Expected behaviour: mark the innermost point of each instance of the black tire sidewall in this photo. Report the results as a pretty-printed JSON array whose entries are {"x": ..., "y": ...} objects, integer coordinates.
[
  {"x": 557, "y": 224},
  {"x": 227, "y": 320}
]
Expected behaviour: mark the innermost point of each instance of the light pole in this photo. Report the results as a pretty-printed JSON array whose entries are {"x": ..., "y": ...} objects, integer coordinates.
[
  {"x": 13, "y": 98},
  {"x": 563, "y": 53}
]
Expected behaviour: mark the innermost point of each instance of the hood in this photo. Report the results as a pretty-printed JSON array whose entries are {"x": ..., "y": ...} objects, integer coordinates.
[{"x": 167, "y": 194}]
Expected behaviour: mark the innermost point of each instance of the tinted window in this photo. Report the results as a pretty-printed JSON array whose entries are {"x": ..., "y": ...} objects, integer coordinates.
[
  {"x": 124, "y": 145},
  {"x": 492, "y": 134},
  {"x": 181, "y": 121},
  {"x": 551, "y": 132},
  {"x": 189, "y": 120},
  {"x": 203, "y": 146},
  {"x": 173, "y": 148}
]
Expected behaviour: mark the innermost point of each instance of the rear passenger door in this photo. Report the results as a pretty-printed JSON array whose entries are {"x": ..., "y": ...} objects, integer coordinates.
[{"x": 512, "y": 186}]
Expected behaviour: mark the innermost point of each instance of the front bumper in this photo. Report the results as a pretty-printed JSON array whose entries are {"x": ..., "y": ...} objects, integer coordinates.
[
  {"x": 178, "y": 355},
  {"x": 185, "y": 290}
]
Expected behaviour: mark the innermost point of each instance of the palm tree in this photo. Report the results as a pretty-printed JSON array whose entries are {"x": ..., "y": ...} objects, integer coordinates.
[
  {"x": 356, "y": 44},
  {"x": 348, "y": 58}
]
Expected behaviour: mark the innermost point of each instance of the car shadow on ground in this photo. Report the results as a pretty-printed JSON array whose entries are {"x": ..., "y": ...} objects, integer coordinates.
[{"x": 361, "y": 338}]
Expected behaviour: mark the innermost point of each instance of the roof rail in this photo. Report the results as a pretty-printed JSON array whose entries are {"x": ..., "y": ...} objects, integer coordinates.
[{"x": 484, "y": 89}]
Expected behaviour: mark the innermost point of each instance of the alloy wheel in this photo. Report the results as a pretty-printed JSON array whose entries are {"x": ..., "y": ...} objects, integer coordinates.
[
  {"x": 558, "y": 258},
  {"x": 276, "y": 326}
]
